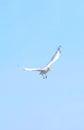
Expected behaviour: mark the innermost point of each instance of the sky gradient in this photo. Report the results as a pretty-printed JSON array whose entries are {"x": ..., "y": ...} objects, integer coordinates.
[{"x": 30, "y": 33}]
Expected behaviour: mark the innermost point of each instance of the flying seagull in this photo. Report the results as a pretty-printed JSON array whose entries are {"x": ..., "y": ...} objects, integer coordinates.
[{"x": 47, "y": 68}]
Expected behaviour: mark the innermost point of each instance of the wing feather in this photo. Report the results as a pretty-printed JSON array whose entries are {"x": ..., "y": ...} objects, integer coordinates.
[
  {"x": 55, "y": 57},
  {"x": 31, "y": 69}
]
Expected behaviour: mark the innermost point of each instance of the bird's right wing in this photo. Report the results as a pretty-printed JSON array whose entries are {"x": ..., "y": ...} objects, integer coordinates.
[{"x": 31, "y": 69}]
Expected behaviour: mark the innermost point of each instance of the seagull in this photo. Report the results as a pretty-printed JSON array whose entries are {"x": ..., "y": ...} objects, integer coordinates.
[{"x": 46, "y": 69}]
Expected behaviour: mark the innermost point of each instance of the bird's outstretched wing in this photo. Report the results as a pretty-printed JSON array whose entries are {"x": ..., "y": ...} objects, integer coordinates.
[
  {"x": 31, "y": 69},
  {"x": 55, "y": 57}
]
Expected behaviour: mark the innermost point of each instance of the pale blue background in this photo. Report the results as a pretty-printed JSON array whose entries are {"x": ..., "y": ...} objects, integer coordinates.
[{"x": 30, "y": 32}]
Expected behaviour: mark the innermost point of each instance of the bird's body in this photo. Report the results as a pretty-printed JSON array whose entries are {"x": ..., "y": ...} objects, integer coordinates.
[
  {"x": 44, "y": 71},
  {"x": 47, "y": 68}
]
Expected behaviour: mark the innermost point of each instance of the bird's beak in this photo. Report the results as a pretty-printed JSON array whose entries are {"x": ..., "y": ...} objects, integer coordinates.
[{"x": 49, "y": 69}]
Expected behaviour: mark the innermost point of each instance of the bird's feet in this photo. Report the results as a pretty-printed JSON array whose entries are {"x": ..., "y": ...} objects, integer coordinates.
[{"x": 45, "y": 77}]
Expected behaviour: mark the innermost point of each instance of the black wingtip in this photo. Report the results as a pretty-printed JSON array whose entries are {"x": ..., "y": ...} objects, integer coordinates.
[{"x": 60, "y": 48}]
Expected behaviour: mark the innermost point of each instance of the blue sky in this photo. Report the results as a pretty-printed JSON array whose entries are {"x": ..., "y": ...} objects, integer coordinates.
[{"x": 30, "y": 32}]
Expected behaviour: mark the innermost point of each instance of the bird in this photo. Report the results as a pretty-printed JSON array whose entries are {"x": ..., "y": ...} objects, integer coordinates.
[{"x": 43, "y": 71}]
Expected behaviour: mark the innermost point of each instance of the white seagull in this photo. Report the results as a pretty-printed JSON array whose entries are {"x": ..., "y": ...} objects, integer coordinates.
[{"x": 47, "y": 68}]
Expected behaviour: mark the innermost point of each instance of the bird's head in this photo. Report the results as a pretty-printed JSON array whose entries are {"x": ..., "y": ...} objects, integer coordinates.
[{"x": 49, "y": 69}]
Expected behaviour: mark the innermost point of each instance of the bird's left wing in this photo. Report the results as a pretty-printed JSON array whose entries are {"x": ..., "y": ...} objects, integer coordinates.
[{"x": 55, "y": 57}]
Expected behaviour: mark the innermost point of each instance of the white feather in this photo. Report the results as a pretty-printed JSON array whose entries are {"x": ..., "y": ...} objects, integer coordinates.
[
  {"x": 31, "y": 69},
  {"x": 55, "y": 57}
]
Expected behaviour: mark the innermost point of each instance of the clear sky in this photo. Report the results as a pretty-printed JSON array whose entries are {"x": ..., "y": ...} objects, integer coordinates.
[{"x": 30, "y": 33}]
